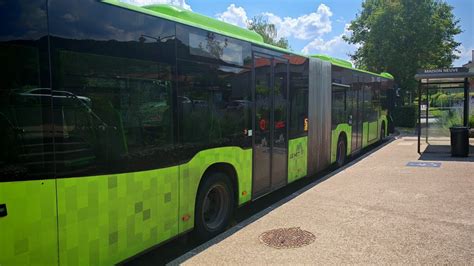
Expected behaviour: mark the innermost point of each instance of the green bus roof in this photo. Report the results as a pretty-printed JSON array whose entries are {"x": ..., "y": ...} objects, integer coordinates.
[
  {"x": 200, "y": 21},
  {"x": 347, "y": 64},
  {"x": 190, "y": 18},
  {"x": 207, "y": 22}
]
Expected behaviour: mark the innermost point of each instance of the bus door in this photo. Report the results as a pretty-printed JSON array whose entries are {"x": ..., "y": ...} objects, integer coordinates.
[
  {"x": 270, "y": 141},
  {"x": 357, "y": 97}
]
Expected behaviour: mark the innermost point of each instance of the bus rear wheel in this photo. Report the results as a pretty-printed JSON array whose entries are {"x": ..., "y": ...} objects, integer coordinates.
[
  {"x": 382, "y": 132},
  {"x": 214, "y": 206},
  {"x": 341, "y": 153}
]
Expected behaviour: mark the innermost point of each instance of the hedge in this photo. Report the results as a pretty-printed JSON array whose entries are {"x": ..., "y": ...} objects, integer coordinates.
[{"x": 405, "y": 116}]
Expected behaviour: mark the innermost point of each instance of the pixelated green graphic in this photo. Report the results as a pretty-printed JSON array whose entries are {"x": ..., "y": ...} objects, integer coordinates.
[
  {"x": 297, "y": 158},
  {"x": 102, "y": 220},
  {"x": 373, "y": 131},
  {"x": 192, "y": 172},
  {"x": 106, "y": 219},
  {"x": 28, "y": 234},
  {"x": 347, "y": 129}
]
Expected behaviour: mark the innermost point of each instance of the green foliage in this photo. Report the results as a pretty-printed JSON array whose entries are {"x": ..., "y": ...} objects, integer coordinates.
[
  {"x": 405, "y": 116},
  {"x": 401, "y": 36},
  {"x": 451, "y": 119},
  {"x": 436, "y": 112},
  {"x": 260, "y": 25},
  {"x": 442, "y": 100}
]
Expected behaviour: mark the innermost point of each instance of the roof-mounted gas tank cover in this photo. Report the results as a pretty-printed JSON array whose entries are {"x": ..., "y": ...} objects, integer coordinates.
[
  {"x": 347, "y": 64},
  {"x": 198, "y": 20},
  {"x": 387, "y": 75},
  {"x": 333, "y": 60}
]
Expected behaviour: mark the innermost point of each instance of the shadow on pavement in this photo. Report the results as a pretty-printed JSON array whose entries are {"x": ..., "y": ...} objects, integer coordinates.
[
  {"x": 443, "y": 153},
  {"x": 180, "y": 249}
]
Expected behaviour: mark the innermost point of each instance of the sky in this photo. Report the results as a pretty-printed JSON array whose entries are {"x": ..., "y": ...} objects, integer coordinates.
[{"x": 312, "y": 26}]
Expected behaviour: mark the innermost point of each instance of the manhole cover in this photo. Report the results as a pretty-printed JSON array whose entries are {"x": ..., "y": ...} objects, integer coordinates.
[{"x": 292, "y": 237}]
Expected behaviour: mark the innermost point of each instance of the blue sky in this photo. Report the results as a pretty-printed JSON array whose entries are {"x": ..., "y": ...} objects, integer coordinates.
[{"x": 313, "y": 26}]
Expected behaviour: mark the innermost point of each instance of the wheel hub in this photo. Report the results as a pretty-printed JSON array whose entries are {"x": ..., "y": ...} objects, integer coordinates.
[{"x": 215, "y": 202}]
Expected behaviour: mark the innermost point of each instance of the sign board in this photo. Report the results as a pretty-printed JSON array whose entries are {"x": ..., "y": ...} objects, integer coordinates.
[{"x": 444, "y": 70}]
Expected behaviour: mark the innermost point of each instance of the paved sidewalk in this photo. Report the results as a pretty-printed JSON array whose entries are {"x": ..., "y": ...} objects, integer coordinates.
[{"x": 377, "y": 210}]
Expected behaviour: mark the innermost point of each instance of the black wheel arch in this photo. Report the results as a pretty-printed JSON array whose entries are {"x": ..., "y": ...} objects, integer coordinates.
[
  {"x": 214, "y": 174},
  {"x": 227, "y": 169},
  {"x": 343, "y": 136},
  {"x": 384, "y": 127}
]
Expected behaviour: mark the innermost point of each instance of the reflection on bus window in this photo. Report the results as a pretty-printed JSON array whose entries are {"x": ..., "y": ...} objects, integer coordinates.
[{"x": 218, "y": 108}]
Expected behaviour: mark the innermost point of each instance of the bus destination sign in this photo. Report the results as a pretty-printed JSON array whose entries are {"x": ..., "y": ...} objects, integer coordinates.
[{"x": 444, "y": 70}]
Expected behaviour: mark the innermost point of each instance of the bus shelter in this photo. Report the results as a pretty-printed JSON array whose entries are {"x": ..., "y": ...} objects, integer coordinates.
[{"x": 443, "y": 102}]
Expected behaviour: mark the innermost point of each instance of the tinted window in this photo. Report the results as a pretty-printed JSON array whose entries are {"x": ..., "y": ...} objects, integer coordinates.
[
  {"x": 371, "y": 101},
  {"x": 215, "y": 106},
  {"x": 26, "y": 150},
  {"x": 338, "y": 106},
  {"x": 376, "y": 106},
  {"x": 196, "y": 44},
  {"x": 341, "y": 87},
  {"x": 298, "y": 95},
  {"x": 384, "y": 94},
  {"x": 112, "y": 89}
]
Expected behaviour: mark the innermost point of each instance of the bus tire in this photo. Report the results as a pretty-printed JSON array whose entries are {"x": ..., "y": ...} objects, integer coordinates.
[
  {"x": 382, "y": 132},
  {"x": 214, "y": 206},
  {"x": 341, "y": 151}
]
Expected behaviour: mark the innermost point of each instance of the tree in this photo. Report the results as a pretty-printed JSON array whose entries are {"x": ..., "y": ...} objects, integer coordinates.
[
  {"x": 402, "y": 36},
  {"x": 260, "y": 25}
]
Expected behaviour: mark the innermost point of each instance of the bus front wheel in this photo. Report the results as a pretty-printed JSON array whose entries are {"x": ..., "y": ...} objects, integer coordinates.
[{"x": 214, "y": 206}]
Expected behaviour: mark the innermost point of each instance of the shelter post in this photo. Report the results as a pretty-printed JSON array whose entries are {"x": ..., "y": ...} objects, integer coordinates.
[
  {"x": 419, "y": 116},
  {"x": 466, "y": 102}
]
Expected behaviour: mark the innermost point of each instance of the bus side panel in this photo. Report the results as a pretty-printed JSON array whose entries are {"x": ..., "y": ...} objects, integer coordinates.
[
  {"x": 297, "y": 158},
  {"x": 373, "y": 131},
  {"x": 29, "y": 230},
  {"x": 341, "y": 128},
  {"x": 192, "y": 172},
  {"x": 106, "y": 219},
  {"x": 365, "y": 134}
]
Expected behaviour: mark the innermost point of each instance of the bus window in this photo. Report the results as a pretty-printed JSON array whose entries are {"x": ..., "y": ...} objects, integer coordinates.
[
  {"x": 197, "y": 44},
  {"x": 338, "y": 106},
  {"x": 26, "y": 150},
  {"x": 298, "y": 95},
  {"x": 112, "y": 100},
  {"x": 217, "y": 109}
]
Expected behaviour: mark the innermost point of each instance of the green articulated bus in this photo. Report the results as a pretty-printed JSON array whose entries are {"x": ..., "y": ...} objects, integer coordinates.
[{"x": 122, "y": 127}]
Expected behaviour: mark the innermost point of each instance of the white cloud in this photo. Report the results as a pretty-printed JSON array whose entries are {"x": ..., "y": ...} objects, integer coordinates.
[
  {"x": 305, "y": 27},
  {"x": 341, "y": 20},
  {"x": 234, "y": 15},
  {"x": 332, "y": 47},
  {"x": 465, "y": 55},
  {"x": 178, "y": 3}
]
